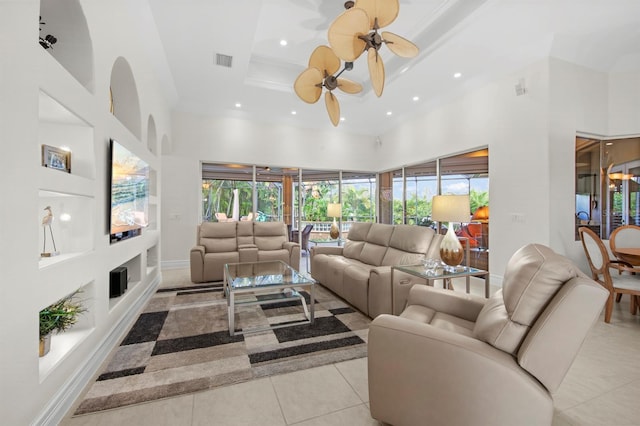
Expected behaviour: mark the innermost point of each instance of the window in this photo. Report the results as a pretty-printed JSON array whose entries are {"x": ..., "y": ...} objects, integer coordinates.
[{"x": 607, "y": 180}]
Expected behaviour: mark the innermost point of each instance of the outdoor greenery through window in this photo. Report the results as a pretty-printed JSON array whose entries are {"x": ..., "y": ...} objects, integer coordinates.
[{"x": 300, "y": 197}]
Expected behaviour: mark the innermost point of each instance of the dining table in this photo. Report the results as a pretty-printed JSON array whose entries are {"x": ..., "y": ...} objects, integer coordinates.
[{"x": 628, "y": 254}]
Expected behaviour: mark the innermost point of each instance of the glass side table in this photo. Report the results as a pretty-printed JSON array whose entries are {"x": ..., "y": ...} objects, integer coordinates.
[{"x": 440, "y": 274}]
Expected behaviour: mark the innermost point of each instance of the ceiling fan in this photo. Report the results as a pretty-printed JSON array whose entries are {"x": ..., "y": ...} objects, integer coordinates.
[
  {"x": 323, "y": 64},
  {"x": 356, "y": 31}
]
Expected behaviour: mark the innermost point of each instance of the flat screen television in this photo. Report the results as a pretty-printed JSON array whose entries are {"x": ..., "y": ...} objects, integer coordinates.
[{"x": 129, "y": 211}]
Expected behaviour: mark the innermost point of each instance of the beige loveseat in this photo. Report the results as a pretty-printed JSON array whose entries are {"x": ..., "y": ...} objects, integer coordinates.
[
  {"x": 360, "y": 272},
  {"x": 231, "y": 242},
  {"x": 456, "y": 359}
]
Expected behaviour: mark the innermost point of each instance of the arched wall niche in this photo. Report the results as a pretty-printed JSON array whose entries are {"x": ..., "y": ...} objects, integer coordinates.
[
  {"x": 166, "y": 145},
  {"x": 125, "y": 104},
  {"x": 65, "y": 20},
  {"x": 152, "y": 137}
]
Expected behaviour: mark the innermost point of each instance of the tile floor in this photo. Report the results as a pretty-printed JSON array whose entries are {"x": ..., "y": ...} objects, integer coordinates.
[{"x": 601, "y": 388}]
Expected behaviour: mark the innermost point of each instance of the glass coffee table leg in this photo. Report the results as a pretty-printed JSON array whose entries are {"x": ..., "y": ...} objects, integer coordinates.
[{"x": 231, "y": 313}]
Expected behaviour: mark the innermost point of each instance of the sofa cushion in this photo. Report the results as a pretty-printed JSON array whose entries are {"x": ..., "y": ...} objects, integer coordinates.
[
  {"x": 372, "y": 254},
  {"x": 359, "y": 230},
  {"x": 214, "y": 264},
  {"x": 269, "y": 235},
  {"x": 379, "y": 233},
  {"x": 334, "y": 272},
  {"x": 411, "y": 238},
  {"x": 282, "y": 254},
  {"x": 352, "y": 249},
  {"x": 532, "y": 277},
  {"x": 217, "y": 230},
  {"x": 218, "y": 237},
  {"x": 394, "y": 256},
  {"x": 356, "y": 286}
]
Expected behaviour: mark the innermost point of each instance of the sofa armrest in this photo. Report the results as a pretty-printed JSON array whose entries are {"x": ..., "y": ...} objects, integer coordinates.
[
  {"x": 294, "y": 253},
  {"x": 400, "y": 287},
  {"x": 380, "y": 297},
  {"x": 247, "y": 253},
  {"x": 461, "y": 305},
  {"x": 420, "y": 374},
  {"x": 196, "y": 260}
]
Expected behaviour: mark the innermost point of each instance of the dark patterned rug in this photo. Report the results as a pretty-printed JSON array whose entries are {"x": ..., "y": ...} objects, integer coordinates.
[{"x": 180, "y": 343}]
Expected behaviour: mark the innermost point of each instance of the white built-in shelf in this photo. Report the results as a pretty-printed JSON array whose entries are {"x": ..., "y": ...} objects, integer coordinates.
[
  {"x": 56, "y": 181},
  {"x": 134, "y": 278},
  {"x": 45, "y": 262},
  {"x": 63, "y": 344}
]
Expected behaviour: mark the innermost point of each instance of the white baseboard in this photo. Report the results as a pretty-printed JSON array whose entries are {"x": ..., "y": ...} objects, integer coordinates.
[
  {"x": 174, "y": 264},
  {"x": 64, "y": 399}
]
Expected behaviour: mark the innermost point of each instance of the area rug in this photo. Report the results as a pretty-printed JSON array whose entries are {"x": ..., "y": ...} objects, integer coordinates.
[{"x": 180, "y": 343}]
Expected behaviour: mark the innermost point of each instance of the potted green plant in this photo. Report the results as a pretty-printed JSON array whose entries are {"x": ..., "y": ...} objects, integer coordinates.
[{"x": 58, "y": 317}]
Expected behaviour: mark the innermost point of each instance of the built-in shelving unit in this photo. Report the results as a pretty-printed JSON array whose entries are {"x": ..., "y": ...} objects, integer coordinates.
[{"x": 74, "y": 115}]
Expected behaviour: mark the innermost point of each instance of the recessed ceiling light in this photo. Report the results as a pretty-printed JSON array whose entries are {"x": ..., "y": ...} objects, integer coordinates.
[
  {"x": 283, "y": 42},
  {"x": 457, "y": 75},
  {"x": 389, "y": 112},
  {"x": 238, "y": 105},
  {"x": 416, "y": 98},
  {"x": 293, "y": 113},
  {"x": 341, "y": 118},
  {"x": 405, "y": 69}
]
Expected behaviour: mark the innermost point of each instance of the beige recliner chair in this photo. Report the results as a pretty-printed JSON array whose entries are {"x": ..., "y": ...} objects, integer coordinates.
[{"x": 455, "y": 359}]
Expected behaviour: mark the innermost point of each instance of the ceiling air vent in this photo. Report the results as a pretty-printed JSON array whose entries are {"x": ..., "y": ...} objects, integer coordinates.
[{"x": 224, "y": 60}]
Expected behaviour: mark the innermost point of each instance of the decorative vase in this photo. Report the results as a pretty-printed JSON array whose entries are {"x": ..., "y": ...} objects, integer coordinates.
[
  {"x": 45, "y": 345},
  {"x": 334, "y": 232},
  {"x": 451, "y": 251}
]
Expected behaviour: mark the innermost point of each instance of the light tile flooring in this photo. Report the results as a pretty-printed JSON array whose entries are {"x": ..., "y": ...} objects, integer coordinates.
[{"x": 601, "y": 388}]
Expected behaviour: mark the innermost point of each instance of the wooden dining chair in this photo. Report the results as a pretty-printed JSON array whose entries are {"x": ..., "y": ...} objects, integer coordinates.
[
  {"x": 624, "y": 237},
  {"x": 623, "y": 281}
]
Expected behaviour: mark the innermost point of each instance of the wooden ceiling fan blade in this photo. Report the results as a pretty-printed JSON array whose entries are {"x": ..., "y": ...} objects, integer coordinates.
[
  {"x": 333, "y": 108},
  {"x": 324, "y": 59},
  {"x": 344, "y": 31},
  {"x": 385, "y": 10},
  {"x": 400, "y": 45},
  {"x": 349, "y": 86},
  {"x": 376, "y": 71},
  {"x": 306, "y": 85}
]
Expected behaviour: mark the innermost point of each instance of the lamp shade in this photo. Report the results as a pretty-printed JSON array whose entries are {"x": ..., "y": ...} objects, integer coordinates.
[
  {"x": 481, "y": 214},
  {"x": 450, "y": 208},
  {"x": 334, "y": 210}
]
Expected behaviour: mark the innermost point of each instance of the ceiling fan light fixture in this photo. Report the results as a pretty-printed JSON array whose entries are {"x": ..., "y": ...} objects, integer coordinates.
[{"x": 352, "y": 33}]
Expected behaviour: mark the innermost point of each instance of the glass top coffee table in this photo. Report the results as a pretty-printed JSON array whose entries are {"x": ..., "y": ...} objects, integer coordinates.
[{"x": 275, "y": 281}]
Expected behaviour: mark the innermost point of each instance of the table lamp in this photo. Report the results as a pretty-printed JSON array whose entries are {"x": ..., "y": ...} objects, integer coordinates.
[
  {"x": 450, "y": 208},
  {"x": 334, "y": 210}
]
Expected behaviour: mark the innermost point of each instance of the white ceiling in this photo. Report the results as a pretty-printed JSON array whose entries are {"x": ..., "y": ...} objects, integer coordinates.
[{"x": 482, "y": 39}]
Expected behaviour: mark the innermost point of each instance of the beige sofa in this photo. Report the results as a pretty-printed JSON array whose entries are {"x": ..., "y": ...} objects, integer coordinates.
[
  {"x": 360, "y": 272},
  {"x": 456, "y": 359},
  {"x": 231, "y": 242}
]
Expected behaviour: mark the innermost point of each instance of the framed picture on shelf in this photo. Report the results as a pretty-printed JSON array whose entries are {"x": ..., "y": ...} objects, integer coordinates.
[{"x": 56, "y": 158}]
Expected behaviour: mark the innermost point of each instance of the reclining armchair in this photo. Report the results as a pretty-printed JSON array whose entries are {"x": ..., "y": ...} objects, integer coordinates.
[{"x": 456, "y": 359}]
